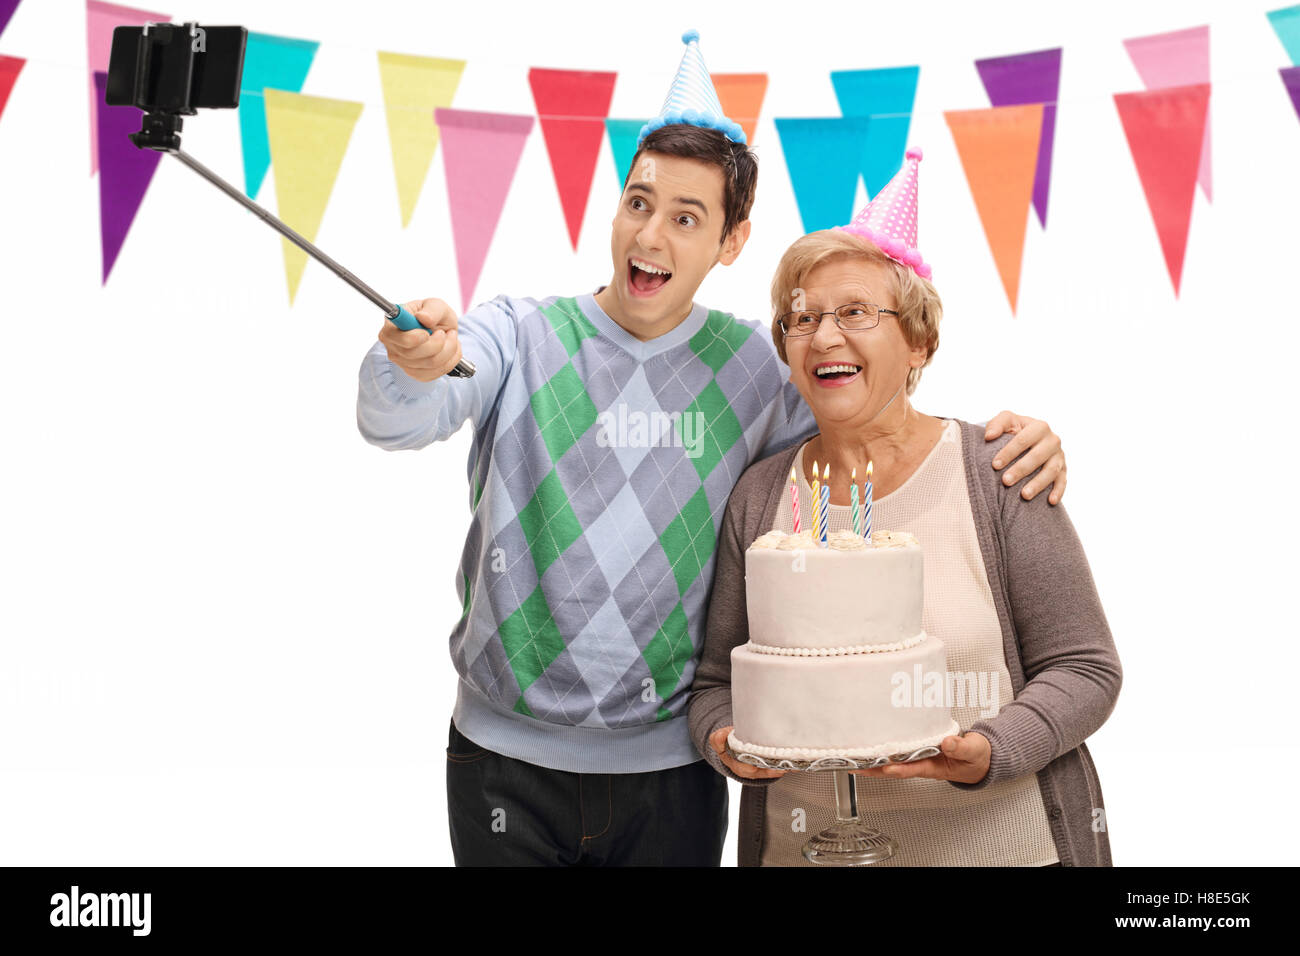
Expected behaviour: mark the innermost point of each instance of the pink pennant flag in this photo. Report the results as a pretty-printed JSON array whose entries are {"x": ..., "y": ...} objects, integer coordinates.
[
  {"x": 1179, "y": 58},
  {"x": 101, "y": 20},
  {"x": 480, "y": 154}
]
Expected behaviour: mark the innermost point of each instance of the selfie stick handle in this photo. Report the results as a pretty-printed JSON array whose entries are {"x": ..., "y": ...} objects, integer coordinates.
[{"x": 399, "y": 315}]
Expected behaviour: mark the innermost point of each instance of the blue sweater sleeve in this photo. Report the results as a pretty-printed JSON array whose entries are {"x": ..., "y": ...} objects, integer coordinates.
[
  {"x": 395, "y": 411},
  {"x": 796, "y": 425}
]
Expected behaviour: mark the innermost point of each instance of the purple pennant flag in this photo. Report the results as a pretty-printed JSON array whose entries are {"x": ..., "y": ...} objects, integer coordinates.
[
  {"x": 124, "y": 172},
  {"x": 1291, "y": 80},
  {"x": 1024, "y": 79},
  {"x": 7, "y": 8}
]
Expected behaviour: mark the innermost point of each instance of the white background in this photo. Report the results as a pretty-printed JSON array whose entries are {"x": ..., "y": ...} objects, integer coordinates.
[{"x": 225, "y": 616}]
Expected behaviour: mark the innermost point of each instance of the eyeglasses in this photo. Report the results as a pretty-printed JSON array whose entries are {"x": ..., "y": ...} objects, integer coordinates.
[{"x": 854, "y": 317}]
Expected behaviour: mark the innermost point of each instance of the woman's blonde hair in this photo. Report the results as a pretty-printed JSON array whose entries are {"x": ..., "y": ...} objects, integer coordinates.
[{"x": 919, "y": 306}]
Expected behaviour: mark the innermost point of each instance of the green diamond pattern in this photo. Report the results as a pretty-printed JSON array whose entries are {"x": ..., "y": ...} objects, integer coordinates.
[
  {"x": 721, "y": 429},
  {"x": 668, "y": 653},
  {"x": 531, "y": 640},
  {"x": 719, "y": 340},
  {"x": 570, "y": 325},
  {"x": 549, "y": 523},
  {"x": 563, "y": 411},
  {"x": 688, "y": 541}
]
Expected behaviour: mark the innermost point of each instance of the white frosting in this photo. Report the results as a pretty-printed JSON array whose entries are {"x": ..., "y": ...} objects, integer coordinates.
[
  {"x": 800, "y": 594},
  {"x": 851, "y": 704},
  {"x": 836, "y": 651}
]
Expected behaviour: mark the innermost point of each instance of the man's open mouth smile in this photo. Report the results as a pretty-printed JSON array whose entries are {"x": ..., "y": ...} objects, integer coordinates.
[{"x": 645, "y": 278}]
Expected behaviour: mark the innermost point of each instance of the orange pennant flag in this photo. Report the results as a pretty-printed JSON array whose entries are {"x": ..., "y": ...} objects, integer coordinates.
[
  {"x": 741, "y": 96},
  {"x": 999, "y": 151}
]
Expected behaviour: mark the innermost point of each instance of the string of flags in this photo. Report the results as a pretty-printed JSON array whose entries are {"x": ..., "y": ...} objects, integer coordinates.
[{"x": 1005, "y": 149}]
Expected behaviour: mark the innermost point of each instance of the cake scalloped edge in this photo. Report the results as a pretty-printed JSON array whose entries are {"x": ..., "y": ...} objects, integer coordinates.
[
  {"x": 787, "y": 651},
  {"x": 813, "y": 753}
]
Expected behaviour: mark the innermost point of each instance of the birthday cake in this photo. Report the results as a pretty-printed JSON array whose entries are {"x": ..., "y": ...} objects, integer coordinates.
[{"x": 837, "y": 664}]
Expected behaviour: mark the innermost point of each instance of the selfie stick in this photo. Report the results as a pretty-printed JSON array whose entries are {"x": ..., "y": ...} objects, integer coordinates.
[{"x": 161, "y": 131}]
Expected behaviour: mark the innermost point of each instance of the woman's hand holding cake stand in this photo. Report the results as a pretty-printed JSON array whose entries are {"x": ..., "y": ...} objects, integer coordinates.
[
  {"x": 718, "y": 739},
  {"x": 964, "y": 759}
]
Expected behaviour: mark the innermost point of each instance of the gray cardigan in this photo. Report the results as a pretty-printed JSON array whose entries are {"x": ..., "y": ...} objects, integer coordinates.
[{"x": 1064, "y": 670}]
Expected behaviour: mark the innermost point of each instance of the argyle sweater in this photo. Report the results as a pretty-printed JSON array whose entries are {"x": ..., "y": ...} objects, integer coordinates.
[{"x": 598, "y": 475}]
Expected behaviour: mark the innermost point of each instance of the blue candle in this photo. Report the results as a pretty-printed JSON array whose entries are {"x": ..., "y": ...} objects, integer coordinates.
[{"x": 866, "y": 507}]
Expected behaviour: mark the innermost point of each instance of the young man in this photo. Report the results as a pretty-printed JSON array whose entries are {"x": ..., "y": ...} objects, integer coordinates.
[{"x": 609, "y": 430}]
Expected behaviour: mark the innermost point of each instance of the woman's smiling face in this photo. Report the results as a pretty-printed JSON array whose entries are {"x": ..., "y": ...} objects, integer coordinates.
[{"x": 848, "y": 377}]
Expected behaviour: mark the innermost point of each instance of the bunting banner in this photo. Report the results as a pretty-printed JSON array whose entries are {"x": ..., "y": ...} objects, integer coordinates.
[
  {"x": 101, "y": 20},
  {"x": 572, "y": 106},
  {"x": 270, "y": 62},
  {"x": 1290, "y": 79},
  {"x": 7, "y": 8},
  {"x": 308, "y": 136},
  {"x": 480, "y": 154},
  {"x": 741, "y": 96},
  {"x": 999, "y": 153},
  {"x": 1179, "y": 58},
  {"x": 10, "y": 67},
  {"x": 1286, "y": 24},
  {"x": 824, "y": 159},
  {"x": 1166, "y": 132},
  {"x": 1023, "y": 79},
  {"x": 124, "y": 173},
  {"x": 414, "y": 86},
  {"x": 623, "y": 134},
  {"x": 887, "y": 97}
]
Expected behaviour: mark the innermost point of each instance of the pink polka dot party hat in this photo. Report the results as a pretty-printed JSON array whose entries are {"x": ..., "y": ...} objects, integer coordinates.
[{"x": 889, "y": 220}]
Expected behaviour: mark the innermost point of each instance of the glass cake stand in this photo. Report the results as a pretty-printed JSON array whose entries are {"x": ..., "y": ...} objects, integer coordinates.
[{"x": 848, "y": 841}]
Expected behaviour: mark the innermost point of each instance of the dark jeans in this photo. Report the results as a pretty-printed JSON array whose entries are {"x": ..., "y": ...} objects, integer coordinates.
[{"x": 507, "y": 812}]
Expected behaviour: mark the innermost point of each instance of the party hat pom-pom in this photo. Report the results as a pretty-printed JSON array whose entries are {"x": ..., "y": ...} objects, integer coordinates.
[
  {"x": 892, "y": 247},
  {"x": 913, "y": 152},
  {"x": 690, "y": 35},
  {"x": 691, "y": 117},
  {"x": 912, "y": 258},
  {"x": 923, "y": 271}
]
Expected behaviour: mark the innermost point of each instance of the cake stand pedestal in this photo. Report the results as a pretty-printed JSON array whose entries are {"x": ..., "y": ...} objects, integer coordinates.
[{"x": 848, "y": 841}]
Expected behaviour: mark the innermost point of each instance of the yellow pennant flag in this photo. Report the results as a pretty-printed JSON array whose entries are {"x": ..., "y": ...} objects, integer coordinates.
[
  {"x": 414, "y": 86},
  {"x": 308, "y": 137}
]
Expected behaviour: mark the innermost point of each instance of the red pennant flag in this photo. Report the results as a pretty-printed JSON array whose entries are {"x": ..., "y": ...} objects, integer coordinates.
[
  {"x": 999, "y": 152},
  {"x": 572, "y": 105},
  {"x": 1165, "y": 130},
  {"x": 10, "y": 66}
]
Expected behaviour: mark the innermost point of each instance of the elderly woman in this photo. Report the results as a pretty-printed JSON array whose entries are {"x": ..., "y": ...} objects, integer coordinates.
[{"x": 1007, "y": 589}]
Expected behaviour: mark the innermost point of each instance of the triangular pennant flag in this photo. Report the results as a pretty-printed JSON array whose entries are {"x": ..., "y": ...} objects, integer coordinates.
[
  {"x": 7, "y": 8},
  {"x": 124, "y": 172},
  {"x": 415, "y": 86},
  {"x": 623, "y": 134},
  {"x": 1028, "y": 78},
  {"x": 1165, "y": 130},
  {"x": 1178, "y": 58},
  {"x": 572, "y": 106},
  {"x": 308, "y": 136},
  {"x": 999, "y": 152},
  {"x": 10, "y": 67},
  {"x": 824, "y": 160},
  {"x": 270, "y": 62},
  {"x": 1291, "y": 80},
  {"x": 887, "y": 97},
  {"x": 741, "y": 96},
  {"x": 1286, "y": 24},
  {"x": 480, "y": 153},
  {"x": 101, "y": 20}
]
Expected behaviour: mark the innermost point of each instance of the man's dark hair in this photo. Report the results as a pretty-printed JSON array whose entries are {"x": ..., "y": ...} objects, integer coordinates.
[{"x": 736, "y": 160}]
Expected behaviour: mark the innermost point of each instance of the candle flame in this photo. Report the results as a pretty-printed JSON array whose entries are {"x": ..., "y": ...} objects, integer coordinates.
[
  {"x": 869, "y": 464},
  {"x": 816, "y": 474},
  {"x": 854, "y": 477},
  {"x": 792, "y": 475},
  {"x": 828, "y": 471}
]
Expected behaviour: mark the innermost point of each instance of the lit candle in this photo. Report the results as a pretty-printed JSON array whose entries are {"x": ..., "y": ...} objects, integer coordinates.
[
  {"x": 816, "y": 508},
  {"x": 794, "y": 500},
  {"x": 853, "y": 497},
  {"x": 826, "y": 504},
  {"x": 866, "y": 505}
]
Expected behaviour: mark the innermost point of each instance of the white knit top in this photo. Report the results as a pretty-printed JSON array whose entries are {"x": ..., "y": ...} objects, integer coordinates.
[{"x": 935, "y": 823}]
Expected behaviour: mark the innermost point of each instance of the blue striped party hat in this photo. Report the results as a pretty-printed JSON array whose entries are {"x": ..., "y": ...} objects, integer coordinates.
[{"x": 692, "y": 100}]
